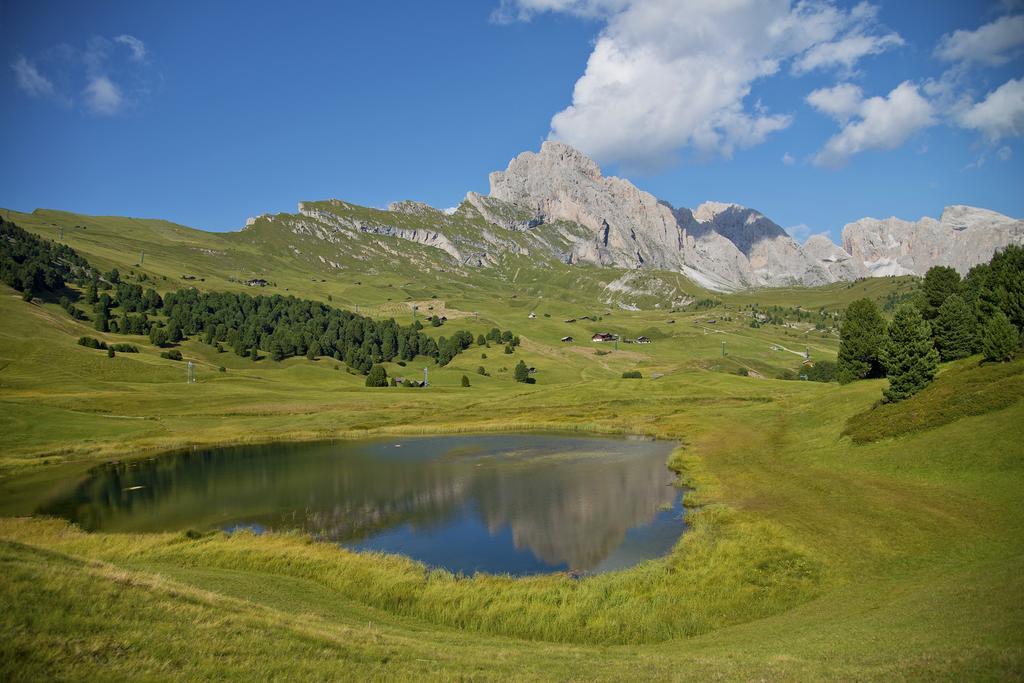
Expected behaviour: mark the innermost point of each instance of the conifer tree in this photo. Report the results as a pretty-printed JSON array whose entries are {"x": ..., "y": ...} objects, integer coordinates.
[
  {"x": 999, "y": 338},
  {"x": 521, "y": 373},
  {"x": 940, "y": 282},
  {"x": 465, "y": 381},
  {"x": 909, "y": 355},
  {"x": 862, "y": 339},
  {"x": 955, "y": 329},
  {"x": 377, "y": 377}
]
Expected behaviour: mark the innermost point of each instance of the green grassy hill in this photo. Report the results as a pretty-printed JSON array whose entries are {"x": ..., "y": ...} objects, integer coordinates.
[{"x": 893, "y": 554}]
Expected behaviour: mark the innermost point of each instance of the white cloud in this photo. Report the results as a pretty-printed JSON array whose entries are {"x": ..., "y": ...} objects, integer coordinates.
[
  {"x": 1000, "y": 114},
  {"x": 137, "y": 47},
  {"x": 102, "y": 96},
  {"x": 29, "y": 79},
  {"x": 840, "y": 102},
  {"x": 524, "y": 10},
  {"x": 666, "y": 75},
  {"x": 992, "y": 44},
  {"x": 881, "y": 123},
  {"x": 1004, "y": 153},
  {"x": 99, "y": 77},
  {"x": 799, "y": 232},
  {"x": 846, "y": 51},
  {"x": 788, "y": 159}
]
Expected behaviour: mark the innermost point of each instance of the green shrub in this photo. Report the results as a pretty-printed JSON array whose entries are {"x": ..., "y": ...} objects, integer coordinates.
[
  {"x": 91, "y": 343},
  {"x": 632, "y": 374},
  {"x": 822, "y": 371}
]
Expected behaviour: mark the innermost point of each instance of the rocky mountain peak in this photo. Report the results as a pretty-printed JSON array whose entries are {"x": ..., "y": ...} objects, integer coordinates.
[{"x": 411, "y": 206}]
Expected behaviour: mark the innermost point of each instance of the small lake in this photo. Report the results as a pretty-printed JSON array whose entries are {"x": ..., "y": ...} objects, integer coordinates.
[{"x": 503, "y": 504}]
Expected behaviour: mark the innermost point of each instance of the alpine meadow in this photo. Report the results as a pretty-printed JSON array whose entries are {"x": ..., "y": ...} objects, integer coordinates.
[{"x": 567, "y": 428}]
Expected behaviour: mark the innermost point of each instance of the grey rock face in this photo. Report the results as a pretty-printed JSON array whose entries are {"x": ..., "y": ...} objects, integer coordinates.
[
  {"x": 963, "y": 237},
  {"x": 628, "y": 227}
]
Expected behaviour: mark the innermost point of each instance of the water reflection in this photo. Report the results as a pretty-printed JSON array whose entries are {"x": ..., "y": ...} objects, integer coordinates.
[{"x": 507, "y": 503}]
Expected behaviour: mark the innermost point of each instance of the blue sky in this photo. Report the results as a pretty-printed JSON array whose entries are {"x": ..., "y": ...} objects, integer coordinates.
[{"x": 207, "y": 113}]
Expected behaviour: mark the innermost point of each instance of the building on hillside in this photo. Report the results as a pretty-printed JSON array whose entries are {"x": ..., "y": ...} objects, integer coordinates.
[
  {"x": 257, "y": 282},
  {"x": 532, "y": 315},
  {"x": 603, "y": 337},
  {"x": 568, "y": 340},
  {"x": 643, "y": 340}
]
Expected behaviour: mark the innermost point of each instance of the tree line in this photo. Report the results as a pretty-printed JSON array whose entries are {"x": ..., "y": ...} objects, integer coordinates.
[
  {"x": 33, "y": 265},
  {"x": 949, "y": 318}
]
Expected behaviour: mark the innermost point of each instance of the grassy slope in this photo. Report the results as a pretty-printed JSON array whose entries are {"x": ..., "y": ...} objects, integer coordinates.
[{"x": 813, "y": 557}]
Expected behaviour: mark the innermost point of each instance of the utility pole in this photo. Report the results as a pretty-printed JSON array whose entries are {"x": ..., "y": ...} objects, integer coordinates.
[
  {"x": 425, "y": 382},
  {"x": 723, "y": 349},
  {"x": 191, "y": 373},
  {"x": 61, "y": 233},
  {"x": 142, "y": 257}
]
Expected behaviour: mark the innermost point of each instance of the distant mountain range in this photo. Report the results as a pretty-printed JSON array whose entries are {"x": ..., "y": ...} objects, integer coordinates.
[{"x": 556, "y": 203}]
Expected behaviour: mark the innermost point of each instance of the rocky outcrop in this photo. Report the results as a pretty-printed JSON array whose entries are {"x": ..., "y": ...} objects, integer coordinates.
[
  {"x": 963, "y": 237},
  {"x": 834, "y": 259}
]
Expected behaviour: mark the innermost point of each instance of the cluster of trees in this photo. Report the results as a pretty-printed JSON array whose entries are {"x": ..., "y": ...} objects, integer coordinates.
[
  {"x": 949, "y": 319},
  {"x": 701, "y": 304},
  {"x": 31, "y": 264},
  {"x": 93, "y": 343},
  {"x": 779, "y": 315},
  {"x": 510, "y": 340},
  {"x": 285, "y": 327}
]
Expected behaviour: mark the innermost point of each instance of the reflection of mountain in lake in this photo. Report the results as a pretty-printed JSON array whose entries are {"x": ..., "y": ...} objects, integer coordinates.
[
  {"x": 576, "y": 512},
  {"x": 569, "y": 501}
]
